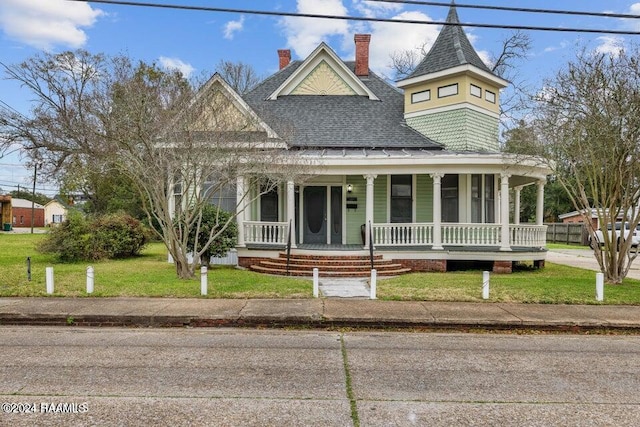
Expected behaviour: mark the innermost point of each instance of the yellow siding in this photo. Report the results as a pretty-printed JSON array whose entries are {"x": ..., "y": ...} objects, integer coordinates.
[{"x": 464, "y": 82}]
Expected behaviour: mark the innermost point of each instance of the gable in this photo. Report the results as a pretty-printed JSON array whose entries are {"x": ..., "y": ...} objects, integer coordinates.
[
  {"x": 218, "y": 109},
  {"x": 323, "y": 73},
  {"x": 323, "y": 80}
]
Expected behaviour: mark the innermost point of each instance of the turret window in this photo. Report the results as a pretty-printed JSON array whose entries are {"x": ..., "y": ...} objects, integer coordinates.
[
  {"x": 476, "y": 91},
  {"x": 490, "y": 96},
  {"x": 422, "y": 96},
  {"x": 450, "y": 90}
]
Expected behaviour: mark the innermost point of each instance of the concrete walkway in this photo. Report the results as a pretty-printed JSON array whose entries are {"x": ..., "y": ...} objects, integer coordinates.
[
  {"x": 584, "y": 258},
  {"x": 196, "y": 312},
  {"x": 344, "y": 288}
]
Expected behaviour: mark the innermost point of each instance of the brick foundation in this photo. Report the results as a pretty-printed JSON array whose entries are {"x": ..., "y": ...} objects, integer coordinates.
[
  {"x": 502, "y": 267},
  {"x": 437, "y": 265}
]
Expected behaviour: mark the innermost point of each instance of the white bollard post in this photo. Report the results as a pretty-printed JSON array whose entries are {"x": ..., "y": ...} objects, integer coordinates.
[
  {"x": 89, "y": 280},
  {"x": 316, "y": 283},
  {"x": 373, "y": 284},
  {"x": 599, "y": 286},
  {"x": 49, "y": 279},
  {"x": 203, "y": 280},
  {"x": 485, "y": 285}
]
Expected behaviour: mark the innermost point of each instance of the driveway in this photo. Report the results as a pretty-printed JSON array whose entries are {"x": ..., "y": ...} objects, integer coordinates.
[{"x": 584, "y": 258}]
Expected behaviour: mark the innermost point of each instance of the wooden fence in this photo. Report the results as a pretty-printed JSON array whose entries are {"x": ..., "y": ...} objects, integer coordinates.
[{"x": 567, "y": 233}]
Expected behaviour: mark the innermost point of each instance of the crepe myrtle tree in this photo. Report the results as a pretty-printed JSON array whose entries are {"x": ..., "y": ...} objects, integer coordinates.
[
  {"x": 587, "y": 127},
  {"x": 103, "y": 113}
]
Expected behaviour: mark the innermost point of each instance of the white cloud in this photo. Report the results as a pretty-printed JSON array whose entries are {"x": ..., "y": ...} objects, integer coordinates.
[
  {"x": 387, "y": 38},
  {"x": 610, "y": 45},
  {"x": 304, "y": 34},
  {"x": 233, "y": 27},
  {"x": 177, "y": 64},
  {"x": 373, "y": 9},
  {"x": 47, "y": 23}
]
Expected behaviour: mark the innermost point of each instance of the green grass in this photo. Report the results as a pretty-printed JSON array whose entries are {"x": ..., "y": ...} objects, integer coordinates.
[
  {"x": 554, "y": 284},
  {"x": 565, "y": 246},
  {"x": 147, "y": 275}
]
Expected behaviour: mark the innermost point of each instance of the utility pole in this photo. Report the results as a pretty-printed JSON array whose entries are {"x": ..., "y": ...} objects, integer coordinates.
[{"x": 33, "y": 196}]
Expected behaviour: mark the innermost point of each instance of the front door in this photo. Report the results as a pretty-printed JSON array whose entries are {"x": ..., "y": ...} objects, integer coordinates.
[
  {"x": 315, "y": 215},
  {"x": 336, "y": 215}
]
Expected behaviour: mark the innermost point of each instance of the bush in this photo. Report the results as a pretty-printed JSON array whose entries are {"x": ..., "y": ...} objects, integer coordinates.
[
  {"x": 110, "y": 236},
  {"x": 213, "y": 219}
]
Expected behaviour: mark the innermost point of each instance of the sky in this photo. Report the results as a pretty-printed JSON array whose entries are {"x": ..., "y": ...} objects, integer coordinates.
[{"x": 195, "y": 41}]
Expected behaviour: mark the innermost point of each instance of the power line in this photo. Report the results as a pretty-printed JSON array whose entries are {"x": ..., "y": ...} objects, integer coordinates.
[
  {"x": 515, "y": 9},
  {"x": 359, "y": 18}
]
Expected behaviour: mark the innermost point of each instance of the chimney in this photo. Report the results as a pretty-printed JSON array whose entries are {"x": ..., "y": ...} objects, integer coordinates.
[
  {"x": 362, "y": 54},
  {"x": 285, "y": 57}
]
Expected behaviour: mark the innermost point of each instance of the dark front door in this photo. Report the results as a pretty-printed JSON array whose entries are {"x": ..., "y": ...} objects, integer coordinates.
[
  {"x": 336, "y": 215},
  {"x": 315, "y": 215}
]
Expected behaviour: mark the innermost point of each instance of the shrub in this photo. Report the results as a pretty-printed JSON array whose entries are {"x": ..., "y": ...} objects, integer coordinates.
[
  {"x": 116, "y": 236},
  {"x": 110, "y": 236},
  {"x": 213, "y": 219}
]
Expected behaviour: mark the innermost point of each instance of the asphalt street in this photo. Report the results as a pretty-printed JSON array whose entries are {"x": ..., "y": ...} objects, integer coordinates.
[{"x": 54, "y": 376}]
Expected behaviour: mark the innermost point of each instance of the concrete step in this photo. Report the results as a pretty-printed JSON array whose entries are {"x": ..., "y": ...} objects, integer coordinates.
[{"x": 330, "y": 263}]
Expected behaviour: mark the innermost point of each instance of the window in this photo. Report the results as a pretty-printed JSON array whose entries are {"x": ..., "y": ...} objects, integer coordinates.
[
  {"x": 449, "y": 193},
  {"x": 401, "y": 198},
  {"x": 57, "y": 219},
  {"x": 476, "y": 91},
  {"x": 489, "y": 199},
  {"x": 449, "y": 90},
  {"x": 482, "y": 198},
  {"x": 425, "y": 95},
  {"x": 490, "y": 96},
  {"x": 269, "y": 204},
  {"x": 21, "y": 219}
]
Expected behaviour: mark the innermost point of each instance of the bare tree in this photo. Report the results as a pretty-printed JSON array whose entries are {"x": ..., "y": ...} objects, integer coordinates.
[
  {"x": 179, "y": 146},
  {"x": 587, "y": 125},
  {"x": 240, "y": 76}
]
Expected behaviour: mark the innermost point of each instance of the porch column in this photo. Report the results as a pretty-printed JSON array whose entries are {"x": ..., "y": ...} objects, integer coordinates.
[
  {"x": 516, "y": 203},
  {"x": 368, "y": 208},
  {"x": 437, "y": 211},
  {"x": 291, "y": 211},
  {"x": 241, "y": 206},
  {"x": 505, "y": 245},
  {"x": 540, "y": 202}
]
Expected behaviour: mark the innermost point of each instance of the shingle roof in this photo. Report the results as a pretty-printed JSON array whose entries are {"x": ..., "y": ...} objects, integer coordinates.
[
  {"x": 332, "y": 121},
  {"x": 451, "y": 49}
]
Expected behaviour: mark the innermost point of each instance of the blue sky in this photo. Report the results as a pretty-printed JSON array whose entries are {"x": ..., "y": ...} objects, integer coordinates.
[{"x": 196, "y": 41}]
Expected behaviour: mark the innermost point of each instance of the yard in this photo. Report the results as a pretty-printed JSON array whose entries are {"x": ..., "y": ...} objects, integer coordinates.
[{"x": 150, "y": 275}]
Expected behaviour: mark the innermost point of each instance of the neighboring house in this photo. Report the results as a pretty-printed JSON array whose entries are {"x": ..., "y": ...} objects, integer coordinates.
[
  {"x": 416, "y": 168},
  {"x": 54, "y": 213},
  {"x": 577, "y": 217},
  {"x": 22, "y": 211}
]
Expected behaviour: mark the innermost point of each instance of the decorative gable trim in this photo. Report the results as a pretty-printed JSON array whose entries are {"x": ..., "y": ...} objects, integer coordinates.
[
  {"x": 322, "y": 53},
  {"x": 239, "y": 104}
]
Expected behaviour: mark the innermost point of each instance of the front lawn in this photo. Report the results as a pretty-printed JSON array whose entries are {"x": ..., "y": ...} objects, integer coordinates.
[
  {"x": 147, "y": 275},
  {"x": 150, "y": 275}
]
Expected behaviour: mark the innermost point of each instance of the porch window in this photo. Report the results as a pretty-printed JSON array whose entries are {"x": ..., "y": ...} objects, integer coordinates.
[
  {"x": 450, "y": 198},
  {"x": 489, "y": 199},
  {"x": 483, "y": 198},
  {"x": 401, "y": 202},
  {"x": 269, "y": 205}
]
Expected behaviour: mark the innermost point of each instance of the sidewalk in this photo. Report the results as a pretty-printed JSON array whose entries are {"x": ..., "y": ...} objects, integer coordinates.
[{"x": 181, "y": 312}]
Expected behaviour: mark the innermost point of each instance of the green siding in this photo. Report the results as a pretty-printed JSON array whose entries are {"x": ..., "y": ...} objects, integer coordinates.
[
  {"x": 424, "y": 198},
  {"x": 463, "y": 129},
  {"x": 356, "y": 217},
  {"x": 380, "y": 199}
]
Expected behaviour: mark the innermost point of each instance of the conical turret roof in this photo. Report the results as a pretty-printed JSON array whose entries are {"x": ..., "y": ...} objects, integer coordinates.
[{"x": 451, "y": 49}]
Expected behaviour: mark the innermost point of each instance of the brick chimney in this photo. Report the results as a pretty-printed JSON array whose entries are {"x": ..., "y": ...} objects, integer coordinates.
[
  {"x": 285, "y": 57},
  {"x": 362, "y": 54}
]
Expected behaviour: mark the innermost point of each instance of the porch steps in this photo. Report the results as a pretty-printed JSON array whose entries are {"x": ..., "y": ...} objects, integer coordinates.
[{"x": 329, "y": 265}]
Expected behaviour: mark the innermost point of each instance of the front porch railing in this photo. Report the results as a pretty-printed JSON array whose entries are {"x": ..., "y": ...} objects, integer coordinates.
[
  {"x": 421, "y": 234},
  {"x": 392, "y": 234},
  {"x": 267, "y": 233},
  {"x": 528, "y": 235}
]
